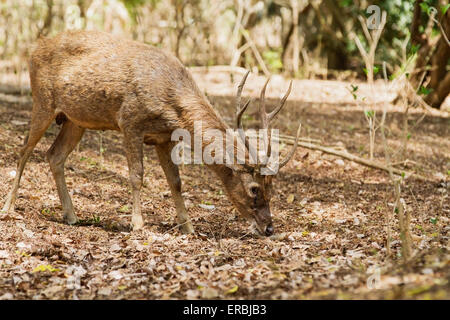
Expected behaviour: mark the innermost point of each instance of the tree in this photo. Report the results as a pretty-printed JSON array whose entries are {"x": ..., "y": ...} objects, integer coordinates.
[{"x": 434, "y": 52}]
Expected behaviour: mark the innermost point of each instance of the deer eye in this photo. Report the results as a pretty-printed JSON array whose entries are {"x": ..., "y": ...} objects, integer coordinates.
[{"x": 254, "y": 190}]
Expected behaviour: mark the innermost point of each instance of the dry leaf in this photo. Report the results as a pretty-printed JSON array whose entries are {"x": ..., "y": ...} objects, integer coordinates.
[
  {"x": 290, "y": 198},
  {"x": 209, "y": 293},
  {"x": 232, "y": 290}
]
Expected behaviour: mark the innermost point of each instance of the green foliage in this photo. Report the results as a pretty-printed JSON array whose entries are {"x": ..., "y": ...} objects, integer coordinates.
[
  {"x": 273, "y": 60},
  {"x": 425, "y": 7},
  {"x": 425, "y": 91},
  {"x": 353, "y": 91},
  {"x": 414, "y": 48},
  {"x": 345, "y": 3},
  {"x": 327, "y": 30},
  {"x": 445, "y": 8},
  {"x": 369, "y": 113},
  {"x": 376, "y": 69},
  {"x": 94, "y": 220},
  {"x": 133, "y": 6}
]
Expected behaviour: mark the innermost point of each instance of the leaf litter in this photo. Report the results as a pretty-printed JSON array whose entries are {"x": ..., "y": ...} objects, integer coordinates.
[{"x": 329, "y": 217}]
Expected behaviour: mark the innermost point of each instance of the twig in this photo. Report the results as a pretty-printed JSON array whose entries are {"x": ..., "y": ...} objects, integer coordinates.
[
  {"x": 105, "y": 178},
  {"x": 432, "y": 17},
  {"x": 404, "y": 162},
  {"x": 351, "y": 157},
  {"x": 255, "y": 51},
  {"x": 176, "y": 226},
  {"x": 372, "y": 40}
]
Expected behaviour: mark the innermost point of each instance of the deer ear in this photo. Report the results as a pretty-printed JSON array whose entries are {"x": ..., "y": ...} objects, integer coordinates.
[{"x": 232, "y": 167}]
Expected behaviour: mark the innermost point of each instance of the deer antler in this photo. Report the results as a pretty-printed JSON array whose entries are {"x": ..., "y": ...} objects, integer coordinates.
[
  {"x": 266, "y": 118},
  {"x": 292, "y": 151},
  {"x": 239, "y": 112}
]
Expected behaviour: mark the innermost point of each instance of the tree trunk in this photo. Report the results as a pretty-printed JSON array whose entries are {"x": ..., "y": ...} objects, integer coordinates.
[
  {"x": 295, "y": 38},
  {"x": 84, "y": 5},
  {"x": 48, "y": 20},
  {"x": 416, "y": 37},
  {"x": 433, "y": 55},
  {"x": 440, "y": 77}
]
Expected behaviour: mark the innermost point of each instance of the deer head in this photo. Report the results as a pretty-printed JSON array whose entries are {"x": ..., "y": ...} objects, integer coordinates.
[{"x": 248, "y": 187}]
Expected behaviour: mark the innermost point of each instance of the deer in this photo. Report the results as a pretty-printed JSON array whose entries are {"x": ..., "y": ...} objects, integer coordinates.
[{"x": 94, "y": 80}]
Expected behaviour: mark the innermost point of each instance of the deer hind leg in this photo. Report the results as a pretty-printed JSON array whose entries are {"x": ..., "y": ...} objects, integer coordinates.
[
  {"x": 174, "y": 181},
  {"x": 67, "y": 139},
  {"x": 40, "y": 121},
  {"x": 133, "y": 148}
]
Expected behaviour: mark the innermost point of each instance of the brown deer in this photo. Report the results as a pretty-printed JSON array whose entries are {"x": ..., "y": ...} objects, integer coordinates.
[{"x": 92, "y": 80}]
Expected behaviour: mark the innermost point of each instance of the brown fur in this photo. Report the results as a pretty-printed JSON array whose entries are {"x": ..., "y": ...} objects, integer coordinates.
[{"x": 92, "y": 80}]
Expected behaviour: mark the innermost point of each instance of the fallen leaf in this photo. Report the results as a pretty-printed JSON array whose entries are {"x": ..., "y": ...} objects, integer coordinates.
[
  {"x": 232, "y": 290},
  {"x": 290, "y": 198},
  {"x": 116, "y": 274},
  {"x": 209, "y": 293},
  {"x": 104, "y": 291},
  {"x": 207, "y": 206},
  {"x": 45, "y": 267}
]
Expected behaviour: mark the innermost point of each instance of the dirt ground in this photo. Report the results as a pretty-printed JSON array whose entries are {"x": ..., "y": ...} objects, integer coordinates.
[{"x": 331, "y": 214}]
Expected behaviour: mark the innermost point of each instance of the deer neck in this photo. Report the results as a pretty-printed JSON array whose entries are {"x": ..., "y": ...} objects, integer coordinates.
[{"x": 201, "y": 121}]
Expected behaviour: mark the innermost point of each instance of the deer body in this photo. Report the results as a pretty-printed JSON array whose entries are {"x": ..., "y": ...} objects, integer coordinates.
[{"x": 92, "y": 80}]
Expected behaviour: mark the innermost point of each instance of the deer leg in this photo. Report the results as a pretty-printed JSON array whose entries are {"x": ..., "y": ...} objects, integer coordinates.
[
  {"x": 40, "y": 121},
  {"x": 67, "y": 139},
  {"x": 174, "y": 181},
  {"x": 133, "y": 149}
]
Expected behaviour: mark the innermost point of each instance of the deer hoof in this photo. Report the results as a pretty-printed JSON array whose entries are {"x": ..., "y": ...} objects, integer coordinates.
[
  {"x": 187, "y": 228},
  {"x": 70, "y": 219},
  {"x": 138, "y": 222}
]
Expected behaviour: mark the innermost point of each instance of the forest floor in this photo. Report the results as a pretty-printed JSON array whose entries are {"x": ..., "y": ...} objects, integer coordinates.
[{"x": 331, "y": 214}]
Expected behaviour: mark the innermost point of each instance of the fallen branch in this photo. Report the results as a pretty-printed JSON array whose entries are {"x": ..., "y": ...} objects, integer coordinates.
[
  {"x": 14, "y": 90},
  {"x": 351, "y": 157},
  {"x": 284, "y": 138},
  {"x": 14, "y": 99}
]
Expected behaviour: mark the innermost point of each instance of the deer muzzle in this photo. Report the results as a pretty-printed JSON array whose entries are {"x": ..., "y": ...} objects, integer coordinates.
[{"x": 263, "y": 221}]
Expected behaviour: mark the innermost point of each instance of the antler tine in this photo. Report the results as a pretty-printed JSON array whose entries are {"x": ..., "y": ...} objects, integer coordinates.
[
  {"x": 283, "y": 101},
  {"x": 262, "y": 107},
  {"x": 239, "y": 114},
  {"x": 239, "y": 92},
  {"x": 292, "y": 151},
  {"x": 240, "y": 111}
]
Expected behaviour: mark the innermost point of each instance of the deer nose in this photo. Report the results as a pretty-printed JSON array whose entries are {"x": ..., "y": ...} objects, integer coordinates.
[{"x": 269, "y": 230}]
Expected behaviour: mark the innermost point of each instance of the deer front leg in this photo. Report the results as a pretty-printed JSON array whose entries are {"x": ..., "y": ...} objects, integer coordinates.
[
  {"x": 133, "y": 149},
  {"x": 174, "y": 181}
]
